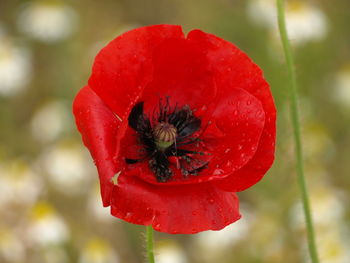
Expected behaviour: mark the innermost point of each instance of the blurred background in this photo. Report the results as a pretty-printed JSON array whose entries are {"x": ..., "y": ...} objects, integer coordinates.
[{"x": 50, "y": 206}]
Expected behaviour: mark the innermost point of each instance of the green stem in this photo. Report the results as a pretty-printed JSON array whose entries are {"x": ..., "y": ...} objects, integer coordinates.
[
  {"x": 296, "y": 130},
  {"x": 149, "y": 238}
]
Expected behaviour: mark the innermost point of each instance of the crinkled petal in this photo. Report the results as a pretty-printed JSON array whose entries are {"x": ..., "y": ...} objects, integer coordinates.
[
  {"x": 181, "y": 73},
  {"x": 230, "y": 139},
  {"x": 232, "y": 67},
  {"x": 182, "y": 210},
  {"x": 98, "y": 127},
  {"x": 124, "y": 67}
]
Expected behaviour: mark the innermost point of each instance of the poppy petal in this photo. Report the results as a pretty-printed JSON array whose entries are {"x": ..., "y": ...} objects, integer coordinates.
[
  {"x": 124, "y": 67},
  {"x": 176, "y": 210},
  {"x": 231, "y": 139},
  {"x": 232, "y": 67},
  {"x": 181, "y": 73},
  {"x": 98, "y": 127}
]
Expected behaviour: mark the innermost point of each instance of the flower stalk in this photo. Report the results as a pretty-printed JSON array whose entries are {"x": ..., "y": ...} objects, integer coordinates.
[
  {"x": 296, "y": 130},
  {"x": 149, "y": 240}
]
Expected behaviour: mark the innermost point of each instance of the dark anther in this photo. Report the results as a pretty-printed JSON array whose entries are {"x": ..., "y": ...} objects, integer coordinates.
[
  {"x": 162, "y": 136},
  {"x": 132, "y": 161}
]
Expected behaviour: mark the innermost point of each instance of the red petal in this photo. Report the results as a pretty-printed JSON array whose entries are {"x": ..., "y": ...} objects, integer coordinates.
[
  {"x": 233, "y": 68},
  {"x": 181, "y": 72},
  {"x": 98, "y": 127},
  {"x": 172, "y": 209},
  {"x": 232, "y": 138},
  {"x": 123, "y": 68}
]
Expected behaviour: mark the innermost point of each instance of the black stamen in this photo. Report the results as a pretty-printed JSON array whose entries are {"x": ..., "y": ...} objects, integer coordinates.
[
  {"x": 132, "y": 161},
  {"x": 136, "y": 116},
  {"x": 184, "y": 123}
]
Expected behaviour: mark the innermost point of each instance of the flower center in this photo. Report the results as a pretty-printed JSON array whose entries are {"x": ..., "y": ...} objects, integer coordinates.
[{"x": 163, "y": 136}]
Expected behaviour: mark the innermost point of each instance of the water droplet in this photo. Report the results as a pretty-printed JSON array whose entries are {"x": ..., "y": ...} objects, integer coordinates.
[
  {"x": 194, "y": 230},
  {"x": 128, "y": 215},
  {"x": 218, "y": 172},
  {"x": 249, "y": 102},
  {"x": 211, "y": 200},
  {"x": 204, "y": 108},
  {"x": 194, "y": 212},
  {"x": 239, "y": 147},
  {"x": 157, "y": 226},
  {"x": 228, "y": 164},
  {"x": 227, "y": 150},
  {"x": 235, "y": 112}
]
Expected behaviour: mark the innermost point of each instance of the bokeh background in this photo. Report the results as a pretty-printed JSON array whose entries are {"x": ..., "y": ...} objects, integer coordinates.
[{"x": 50, "y": 208}]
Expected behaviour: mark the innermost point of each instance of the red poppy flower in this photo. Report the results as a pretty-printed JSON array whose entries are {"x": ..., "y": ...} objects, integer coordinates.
[{"x": 176, "y": 125}]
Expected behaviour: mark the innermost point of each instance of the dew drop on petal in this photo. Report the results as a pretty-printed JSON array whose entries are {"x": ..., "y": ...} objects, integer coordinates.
[
  {"x": 218, "y": 172},
  {"x": 128, "y": 215},
  {"x": 229, "y": 164}
]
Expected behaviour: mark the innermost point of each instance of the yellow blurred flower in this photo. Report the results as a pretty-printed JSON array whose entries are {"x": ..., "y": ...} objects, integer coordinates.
[
  {"x": 50, "y": 121},
  {"x": 98, "y": 251},
  {"x": 168, "y": 251},
  {"x": 19, "y": 185},
  {"x": 47, "y": 21},
  {"x": 68, "y": 167},
  {"x": 305, "y": 22},
  {"x": 15, "y": 66},
  {"x": 46, "y": 227}
]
